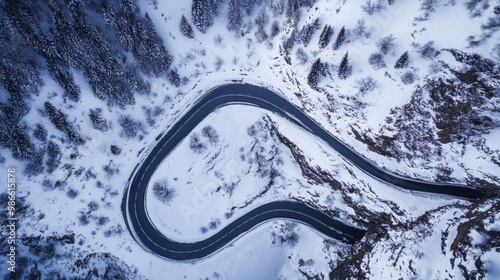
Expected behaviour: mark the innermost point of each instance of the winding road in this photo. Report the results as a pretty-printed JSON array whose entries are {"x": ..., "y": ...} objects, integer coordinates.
[{"x": 146, "y": 234}]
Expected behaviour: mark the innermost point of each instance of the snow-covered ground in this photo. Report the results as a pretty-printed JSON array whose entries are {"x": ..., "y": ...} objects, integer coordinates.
[{"x": 83, "y": 195}]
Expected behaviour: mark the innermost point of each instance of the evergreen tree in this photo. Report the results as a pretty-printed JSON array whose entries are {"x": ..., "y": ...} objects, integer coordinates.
[
  {"x": 203, "y": 14},
  {"x": 98, "y": 122},
  {"x": 234, "y": 16},
  {"x": 59, "y": 120},
  {"x": 402, "y": 61},
  {"x": 340, "y": 39},
  {"x": 376, "y": 60},
  {"x": 308, "y": 31},
  {"x": 314, "y": 73},
  {"x": 344, "y": 69},
  {"x": 174, "y": 78},
  {"x": 326, "y": 35},
  {"x": 186, "y": 28}
]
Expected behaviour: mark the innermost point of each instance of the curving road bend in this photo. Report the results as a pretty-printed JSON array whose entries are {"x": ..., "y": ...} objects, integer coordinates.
[{"x": 144, "y": 232}]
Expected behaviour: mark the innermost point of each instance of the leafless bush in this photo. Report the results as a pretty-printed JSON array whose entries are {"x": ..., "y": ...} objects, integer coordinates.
[
  {"x": 211, "y": 134},
  {"x": 372, "y": 7},
  {"x": 366, "y": 84},
  {"x": 163, "y": 192},
  {"x": 196, "y": 145},
  {"x": 386, "y": 44}
]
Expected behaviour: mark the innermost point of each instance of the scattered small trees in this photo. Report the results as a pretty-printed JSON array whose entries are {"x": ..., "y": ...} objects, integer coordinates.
[
  {"x": 130, "y": 127},
  {"x": 308, "y": 31},
  {"x": 340, "y": 39},
  {"x": 386, "y": 44},
  {"x": 344, "y": 69},
  {"x": 326, "y": 34},
  {"x": 59, "y": 119},
  {"x": 163, "y": 192},
  {"x": 174, "y": 78},
  {"x": 186, "y": 28},
  {"x": 402, "y": 61}
]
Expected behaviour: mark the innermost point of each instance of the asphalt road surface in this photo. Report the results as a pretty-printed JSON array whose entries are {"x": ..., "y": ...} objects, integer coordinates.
[{"x": 144, "y": 232}]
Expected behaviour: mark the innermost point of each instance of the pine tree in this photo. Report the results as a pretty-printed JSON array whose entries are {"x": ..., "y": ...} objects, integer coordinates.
[
  {"x": 59, "y": 120},
  {"x": 402, "y": 61},
  {"x": 186, "y": 28},
  {"x": 345, "y": 69},
  {"x": 313, "y": 77},
  {"x": 308, "y": 31},
  {"x": 340, "y": 39},
  {"x": 326, "y": 34},
  {"x": 174, "y": 78},
  {"x": 234, "y": 16},
  {"x": 98, "y": 122},
  {"x": 203, "y": 14}
]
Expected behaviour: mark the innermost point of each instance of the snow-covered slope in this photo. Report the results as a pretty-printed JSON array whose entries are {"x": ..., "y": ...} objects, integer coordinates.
[{"x": 435, "y": 117}]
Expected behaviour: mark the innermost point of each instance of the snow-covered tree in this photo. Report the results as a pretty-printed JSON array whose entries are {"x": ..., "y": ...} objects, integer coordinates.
[
  {"x": 344, "y": 68},
  {"x": 53, "y": 156},
  {"x": 408, "y": 78},
  {"x": 360, "y": 30},
  {"x": 308, "y": 31},
  {"x": 316, "y": 70},
  {"x": 234, "y": 16},
  {"x": 366, "y": 84},
  {"x": 196, "y": 145},
  {"x": 340, "y": 39},
  {"x": 186, "y": 28},
  {"x": 174, "y": 78},
  {"x": 211, "y": 134},
  {"x": 59, "y": 120},
  {"x": 427, "y": 50},
  {"x": 402, "y": 61},
  {"x": 372, "y": 7},
  {"x": 326, "y": 35},
  {"x": 386, "y": 44},
  {"x": 98, "y": 122},
  {"x": 130, "y": 126},
  {"x": 163, "y": 192},
  {"x": 376, "y": 60},
  {"x": 203, "y": 14}
]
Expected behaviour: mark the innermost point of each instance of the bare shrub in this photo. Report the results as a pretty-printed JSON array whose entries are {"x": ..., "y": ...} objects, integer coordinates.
[
  {"x": 196, "y": 145},
  {"x": 211, "y": 134},
  {"x": 366, "y": 84},
  {"x": 163, "y": 192}
]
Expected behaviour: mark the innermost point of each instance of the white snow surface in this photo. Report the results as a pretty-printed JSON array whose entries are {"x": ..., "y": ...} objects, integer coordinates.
[{"x": 197, "y": 203}]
